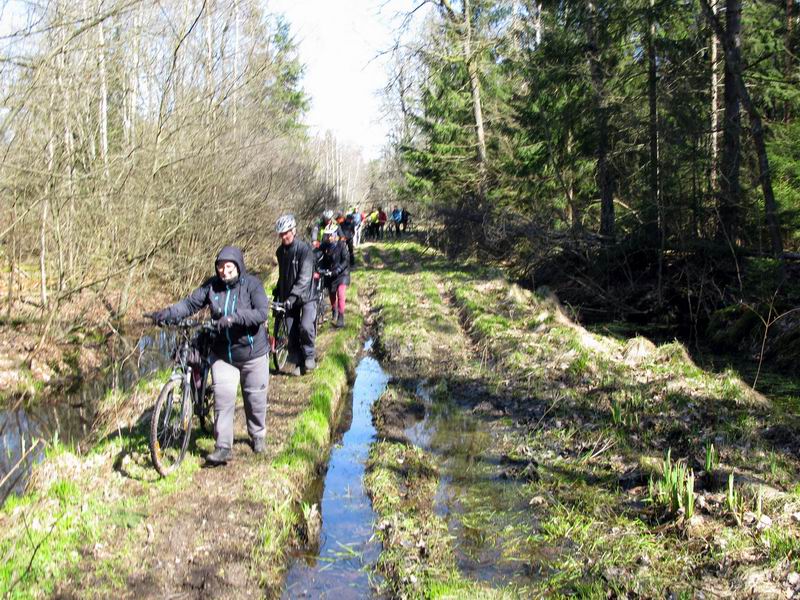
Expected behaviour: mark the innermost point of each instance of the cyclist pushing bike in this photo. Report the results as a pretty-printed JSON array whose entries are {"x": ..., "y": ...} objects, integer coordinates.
[
  {"x": 295, "y": 291},
  {"x": 239, "y": 306},
  {"x": 336, "y": 263}
]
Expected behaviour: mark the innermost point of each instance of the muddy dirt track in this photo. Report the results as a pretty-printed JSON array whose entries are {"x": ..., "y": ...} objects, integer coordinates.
[{"x": 200, "y": 541}]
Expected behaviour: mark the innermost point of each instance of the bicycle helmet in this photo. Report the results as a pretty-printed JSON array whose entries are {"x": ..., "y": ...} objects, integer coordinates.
[
  {"x": 327, "y": 214},
  {"x": 285, "y": 223}
]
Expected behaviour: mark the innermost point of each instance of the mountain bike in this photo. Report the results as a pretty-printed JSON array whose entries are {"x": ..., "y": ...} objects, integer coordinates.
[
  {"x": 279, "y": 340},
  {"x": 186, "y": 393},
  {"x": 322, "y": 294}
]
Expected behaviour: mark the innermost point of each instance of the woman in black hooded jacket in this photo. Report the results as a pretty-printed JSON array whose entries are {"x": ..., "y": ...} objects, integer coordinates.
[
  {"x": 239, "y": 305},
  {"x": 336, "y": 260}
]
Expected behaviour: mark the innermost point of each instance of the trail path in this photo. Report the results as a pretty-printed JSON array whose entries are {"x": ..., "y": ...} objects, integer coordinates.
[
  {"x": 200, "y": 540},
  {"x": 581, "y": 422}
]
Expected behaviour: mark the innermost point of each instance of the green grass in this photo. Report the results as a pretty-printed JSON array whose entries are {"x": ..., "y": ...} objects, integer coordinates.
[
  {"x": 595, "y": 538},
  {"x": 46, "y": 529},
  {"x": 297, "y": 463}
]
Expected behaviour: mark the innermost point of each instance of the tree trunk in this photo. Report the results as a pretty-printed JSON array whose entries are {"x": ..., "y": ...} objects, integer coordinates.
[
  {"x": 652, "y": 101},
  {"x": 605, "y": 178},
  {"x": 716, "y": 64},
  {"x": 475, "y": 90},
  {"x": 103, "y": 103},
  {"x": 463, "y": 25},
  {"x": 733, "y": 62},
  {"x": 730, "y": 200},
  {"x": 787, "y": 47}
]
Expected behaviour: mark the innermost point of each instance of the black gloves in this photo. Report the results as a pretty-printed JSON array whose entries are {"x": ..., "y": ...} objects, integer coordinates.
[
  {"x": 289, "y": 303},
  {"x": 226, "y": 322},
  {"x": 159, "y": 317}
]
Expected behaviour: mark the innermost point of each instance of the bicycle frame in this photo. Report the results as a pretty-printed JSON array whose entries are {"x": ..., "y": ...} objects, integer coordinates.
[{"x": 196, "y": 379}]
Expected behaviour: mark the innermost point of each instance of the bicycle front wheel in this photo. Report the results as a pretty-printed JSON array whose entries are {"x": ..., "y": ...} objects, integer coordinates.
[
  {"x": 280, "y": 353},
  {"x": 171, "y": 425}
]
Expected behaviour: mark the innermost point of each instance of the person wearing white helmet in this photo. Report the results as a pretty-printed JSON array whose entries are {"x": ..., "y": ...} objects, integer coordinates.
[
  {"x": 336, "y": 262},
  {"x": 294, "y": 290}
]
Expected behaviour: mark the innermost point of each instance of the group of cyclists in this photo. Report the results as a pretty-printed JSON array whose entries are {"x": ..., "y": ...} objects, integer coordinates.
[{"x": 239, "y": 306}]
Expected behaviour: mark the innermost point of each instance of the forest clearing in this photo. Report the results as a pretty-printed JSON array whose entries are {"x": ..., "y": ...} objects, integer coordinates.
[{"x": 570, "y": 365}]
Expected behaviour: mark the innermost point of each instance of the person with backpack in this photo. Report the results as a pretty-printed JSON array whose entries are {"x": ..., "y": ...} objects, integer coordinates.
[
  {"x": 382, "y": 218},
  {"x": 404, "y": 218},
  {"x": 397, "y": 217},
  {"x": 357, "y": 217}
]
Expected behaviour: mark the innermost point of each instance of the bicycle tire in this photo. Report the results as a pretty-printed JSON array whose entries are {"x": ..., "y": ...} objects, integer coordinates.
[
  {"x": 206, "y": 413},
  {"x": 321, "y": 308},
  {"x": 281, "y": 353},
  {"x": 171, "y": 426}
]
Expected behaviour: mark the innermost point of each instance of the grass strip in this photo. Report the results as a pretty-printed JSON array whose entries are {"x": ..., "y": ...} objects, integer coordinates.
[{"x": 308, "y": 447}]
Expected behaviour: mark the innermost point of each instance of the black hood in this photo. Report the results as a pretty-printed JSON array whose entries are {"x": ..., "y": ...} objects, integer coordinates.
[{"x": 233, "y": 254}]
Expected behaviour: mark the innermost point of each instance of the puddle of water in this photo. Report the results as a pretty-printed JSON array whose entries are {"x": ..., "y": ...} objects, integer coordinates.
[
  {"x": 487, "y": 515},
  {"x": 69, "y": 416},
  {"x": 346, "y": 542}
]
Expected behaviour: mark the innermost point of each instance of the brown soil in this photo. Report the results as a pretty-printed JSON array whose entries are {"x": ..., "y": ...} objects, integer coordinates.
[{"x": 395, "y": 412}]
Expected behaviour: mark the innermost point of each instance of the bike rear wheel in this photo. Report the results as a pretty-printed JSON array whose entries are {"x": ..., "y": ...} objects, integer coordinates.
[
  {"x": 280, "y": 352},
  {"x": 205, "y": 411},
  {"x": 171, "y": 425},
  {"x": 321, "y": 308}
]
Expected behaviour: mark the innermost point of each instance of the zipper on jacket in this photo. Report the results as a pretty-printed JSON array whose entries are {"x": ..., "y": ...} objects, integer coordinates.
[{"x": 228, "y": 329}]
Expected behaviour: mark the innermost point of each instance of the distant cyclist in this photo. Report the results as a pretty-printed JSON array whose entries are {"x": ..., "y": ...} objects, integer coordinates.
[
  {"x": 397, "y": 217},
  {"x": 348, "y": 231},
  {"x": 240, "y": 307},
  {"x": 324, "y": 221},
  {"x": 336, "y": 259},
  {"x": 404, "y": 218},
  {"x": 294, "y": 289}
]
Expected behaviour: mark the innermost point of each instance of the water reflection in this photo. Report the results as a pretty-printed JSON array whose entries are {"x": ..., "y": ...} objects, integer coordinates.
[
  {"x": 337, "y": 570},
  {"x": 486, "y": 513},
  {"x": 68, "y": 415}
]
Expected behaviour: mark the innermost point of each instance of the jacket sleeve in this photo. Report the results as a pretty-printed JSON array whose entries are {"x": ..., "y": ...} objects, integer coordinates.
[
  {"x": 342, "y": 261},
  {"x": 259, "y": 302},
  {"x": 191, "y": 304},
  {"x": 302, "y": 284}
]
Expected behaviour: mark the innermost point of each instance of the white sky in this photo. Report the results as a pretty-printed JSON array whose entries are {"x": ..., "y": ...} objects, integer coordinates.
[{"x": 339, "y": 41}]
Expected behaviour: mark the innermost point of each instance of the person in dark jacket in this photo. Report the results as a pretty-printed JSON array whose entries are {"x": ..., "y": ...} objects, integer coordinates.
[
  {"x": 336, "y": 260},
  {"x": 295, "y": 291},
  {"x": 348, "y": 231},
  {"x": 404, "y": 217},
  {"x": 239, "y": 305}
]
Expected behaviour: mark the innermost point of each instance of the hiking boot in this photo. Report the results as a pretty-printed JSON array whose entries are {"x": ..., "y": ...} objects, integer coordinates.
[
  {"x": 334, "y": 315},
  {"x": 219, "y": 456},
  {"x": 259, "y": 445},
  {"x": 310, "y": 365},
  {"x": 340, "y": 320},
  {"x": 296, "y": 371}
]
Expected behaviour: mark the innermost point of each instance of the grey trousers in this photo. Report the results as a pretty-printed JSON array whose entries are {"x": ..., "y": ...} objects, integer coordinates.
[
  {"x": 253, "y": 376},
  {"x": 301, "y": 322}
]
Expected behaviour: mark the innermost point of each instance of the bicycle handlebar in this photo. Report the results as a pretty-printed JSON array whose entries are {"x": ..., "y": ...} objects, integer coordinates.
[
  {"x": 278, "y": 306},
  {"x": 187, "y": 323}
]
